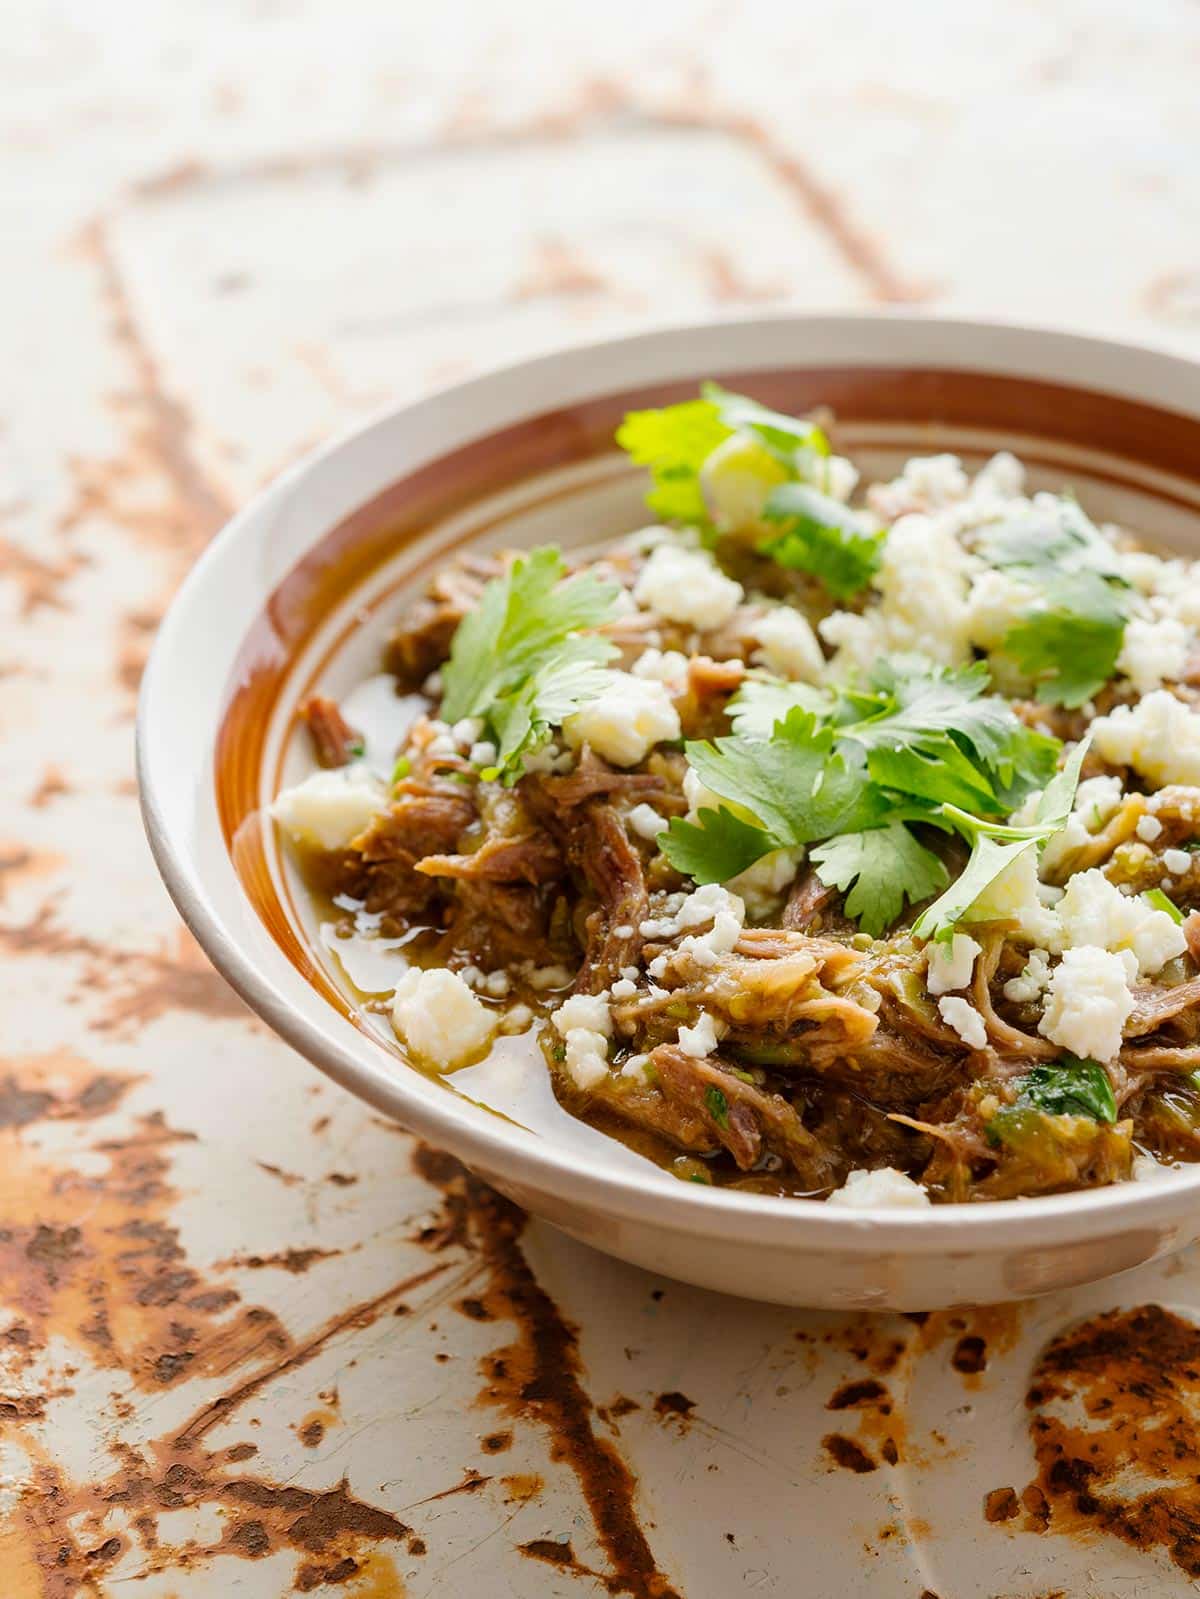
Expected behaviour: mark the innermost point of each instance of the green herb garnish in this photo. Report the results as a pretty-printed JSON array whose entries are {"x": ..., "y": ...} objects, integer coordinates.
[
  {"x": 1163, "y": 902},
  {"x": 820, "y": 535},
  {"x": 718, "y": 1106},
  {"x": 676, "y": 442},
  {"x": 523, "y": 660},
  {"x": 853, "y": 773},
  {"x": 1069, "y": 639}
]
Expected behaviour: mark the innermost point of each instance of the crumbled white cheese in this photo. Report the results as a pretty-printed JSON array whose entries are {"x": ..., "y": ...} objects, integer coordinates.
[
  {"x": 699, "y": 1040},
  {"x": 1154, "y": 651},
  {"x": 950, "y": 966},
  {"x": 927, "y": 482},
  {"x": 584, "y": 1010},
  {"x": 710, "y": 903},
  {"x": 922, "y": 578},
  {"x": 330, "y": 809},
  {"x": 1096, "y": 799},
  {"x": 1089, "y": 1001},
  {"x": 1159, "y": 737},
  {"x": 544, "y": 977},
  {"x": 439, "y": 1018},
  {"x": 623, "y": 988},
  {"x": 1177, "y": 861},
  {"x": 1094, "y": 912},
  {"x": 965, "y": 1020},
  {"x": 686, "y": 586},
  {"x": 788, "y": 646},
  {"x": 761, "y": 885},
  {"x": 483, "y": 753},
  {"x": 922, "y": 582},
  {"x": 1032, "y": 981},
  {"x": 635, "y": 1066},
  {"x": 586, "y": 1057},
  {"x": 995, "y": 603},
  {"x": 833, "y": 475},
  {"x": 663, "y": 666},
  {"x": 886, "y": 1188},
  {"x": 466, "y": 732},
  {"x": 625, "y": 721},
  {"x": 646, "y": 822},
  {"x": 585, "y": 1024},
  {"x": 1148, "y": 828},
  {"x": 516, "y": 1019}
]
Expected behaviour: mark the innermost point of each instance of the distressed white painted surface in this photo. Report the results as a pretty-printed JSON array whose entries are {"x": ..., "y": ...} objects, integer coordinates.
[{"x": 228, "y": 230}]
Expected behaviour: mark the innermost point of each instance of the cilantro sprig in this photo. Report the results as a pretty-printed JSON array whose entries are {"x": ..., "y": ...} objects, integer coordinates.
[
  {"x": 1069, "y": 638},
  {"x": 853, "y": 775},
  {"x": 820, "y": 535},
  {"x": 676, "y": 440},
  {"x": 523, "y": 660},
  {"x": 995, "y": 846}
]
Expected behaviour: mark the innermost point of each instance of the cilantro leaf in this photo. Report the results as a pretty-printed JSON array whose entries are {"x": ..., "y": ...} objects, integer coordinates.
[
  {"x": 1050, "y": 539},
  {"x": 1069, "y": 639},
  {"x": 568, "y": 679},
  {"x": 677, "y": 440},
  {"x": 788, "y": 791},
  {"x": 783, "y": 434},
  {"x": 932, "y": 732},
  {"x": 674, "y": 443},
  {"x": 795, "y": 785},
  {"x": 822, "y": 536},
  {"x": 520, "y": 660},
  {"x": 717, "y": 846},
  {"x": 995, "y": 846},
  {"x": 761, "y": 702},
  {"x": 1070, "y": 1087},
  {"x": 887, "y": 866}
]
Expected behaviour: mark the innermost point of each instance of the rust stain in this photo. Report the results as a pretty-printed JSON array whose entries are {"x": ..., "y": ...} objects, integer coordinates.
[
  {"x": 89, "y": 1257},
  {"x": 1134, "y": 1378},
  {"x": 882, "y": 1429},
  {"x": 163, "y": 429},
  {"x": 674, "y": 1406},
  {"x": 38, "y": 582},
  {"x": 358, "y": 1316},
  {"x": 846, "y": 1453},
  {"x": 1001, "y": 1504},
  {"x": 65, "y": 1532},
  {"x": 539, "y": 1375},
  {"x": 295, "y": 1261},
  {"x": 522, "y": 1487},
  {"x": 857, "y": 1395},
  {"x": 90, "y": 1260},
  {"x": 51, "y": 785},
  {"x": 142, "y": 985},
  {"x": 558, "y": 270}
]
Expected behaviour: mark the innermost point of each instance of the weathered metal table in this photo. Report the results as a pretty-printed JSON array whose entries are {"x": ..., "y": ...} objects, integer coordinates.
[{"x": 252, "y": 1340}]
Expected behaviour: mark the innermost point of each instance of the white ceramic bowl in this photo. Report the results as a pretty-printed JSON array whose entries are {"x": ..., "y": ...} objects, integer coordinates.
[{"x": 299, "y": 589}]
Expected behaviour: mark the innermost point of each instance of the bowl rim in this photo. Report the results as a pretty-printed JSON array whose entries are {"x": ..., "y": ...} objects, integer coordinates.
[{"x": 510, "y": 1152}]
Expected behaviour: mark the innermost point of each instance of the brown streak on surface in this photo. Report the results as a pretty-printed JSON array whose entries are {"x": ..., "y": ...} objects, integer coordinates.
[
  {"x": 361, "y": 1315},
  {"x": 539, "y": 1375},
  {"x": 1113, "y": 1408}
]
